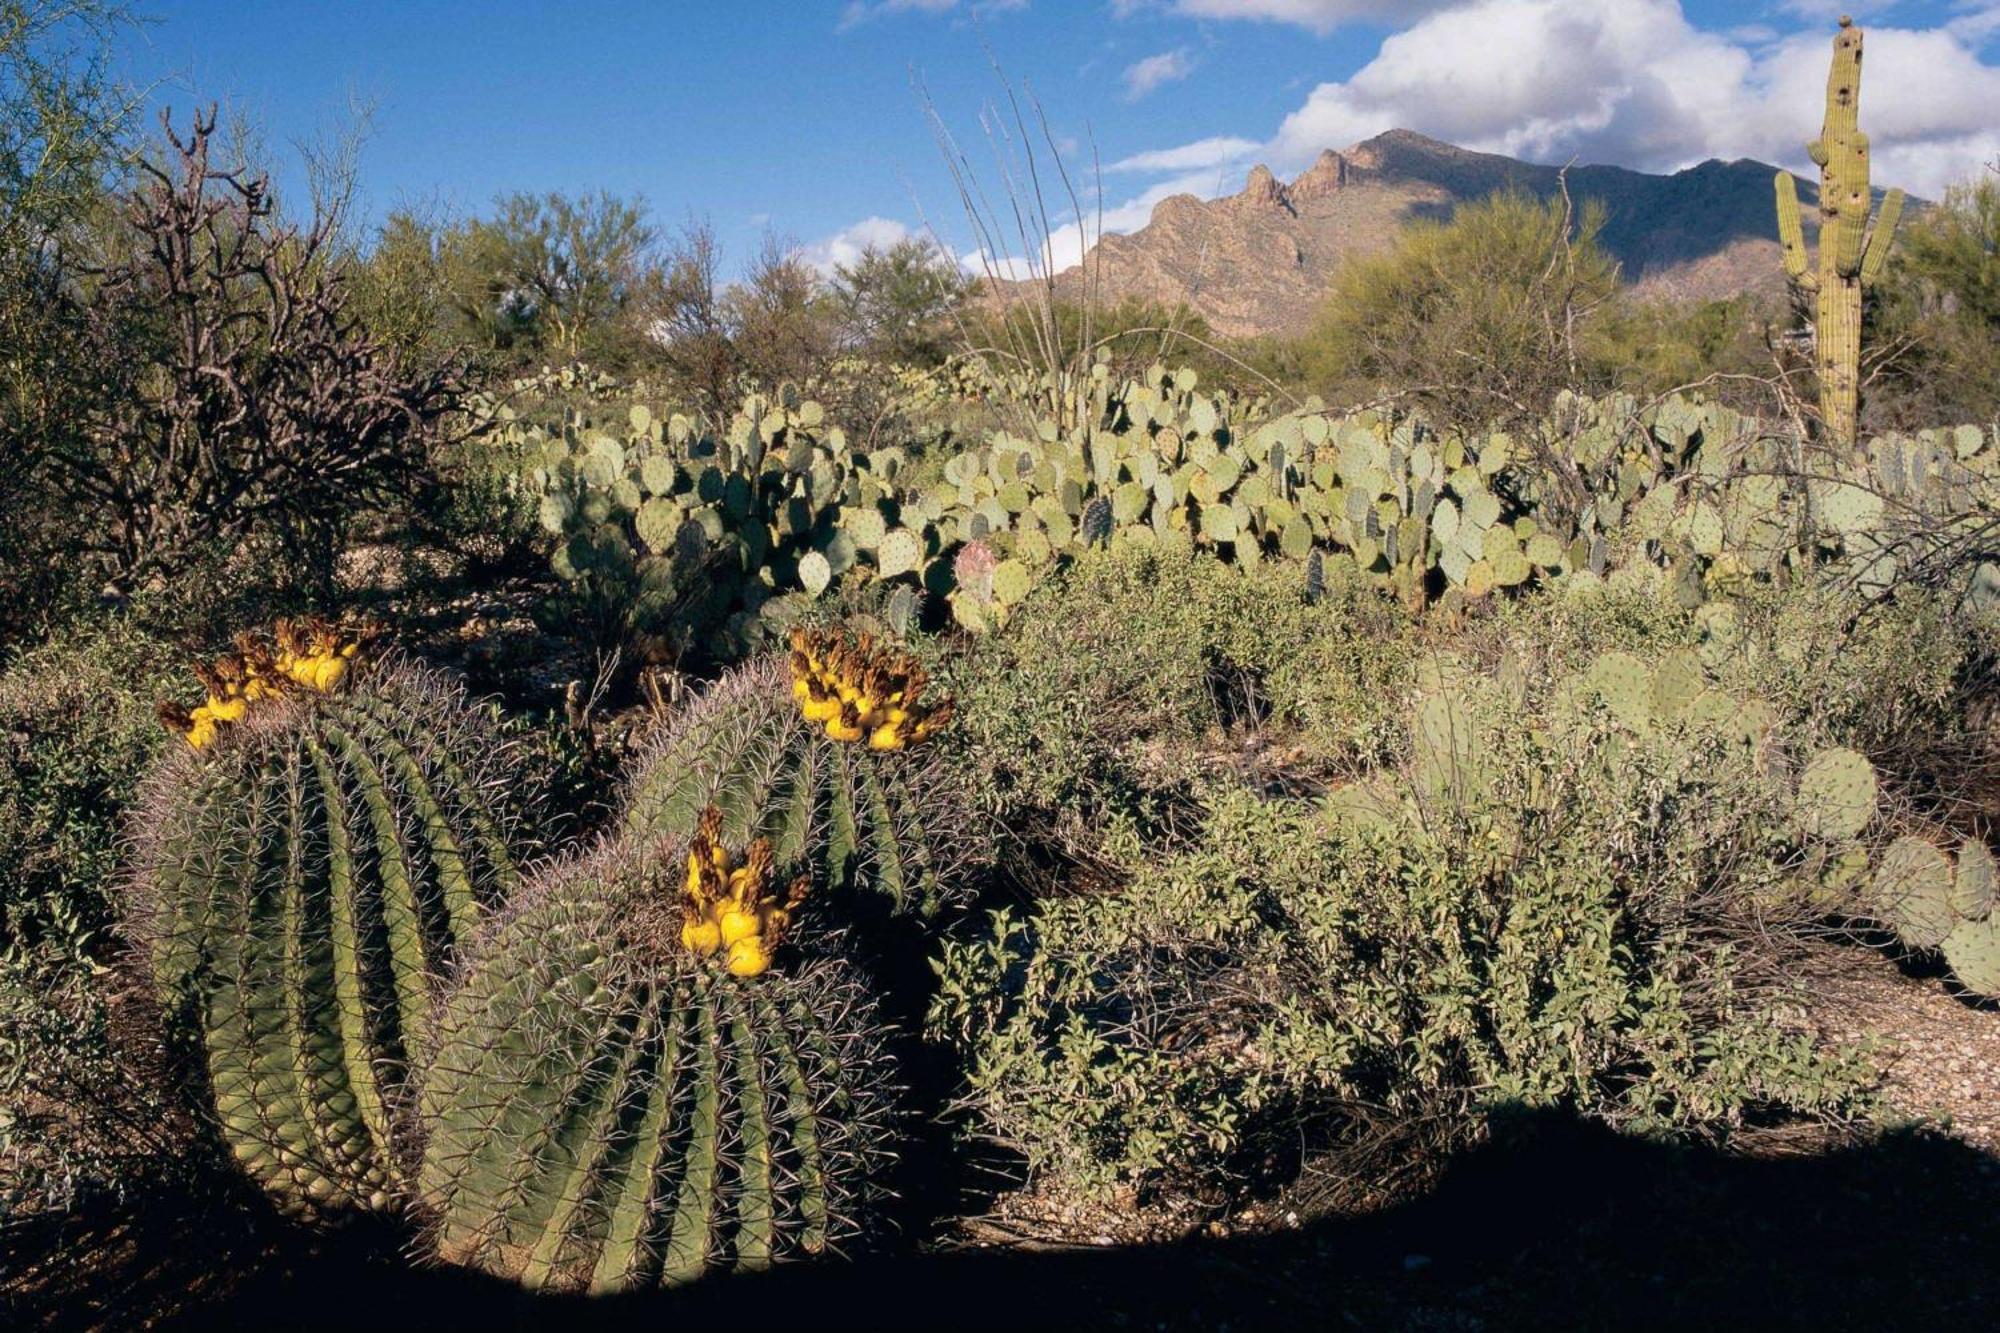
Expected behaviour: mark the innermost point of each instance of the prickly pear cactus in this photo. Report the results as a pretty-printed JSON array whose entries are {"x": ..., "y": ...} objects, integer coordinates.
[
  {"x": 830, "y": 754},
  {"x": 1912, "y": 890},
  {"x": 305, "y": 865},
  {"x": 612, "y": 1101},
  {"x": 1973, "y": 951},
  {"x": 1836, "y": 796}
]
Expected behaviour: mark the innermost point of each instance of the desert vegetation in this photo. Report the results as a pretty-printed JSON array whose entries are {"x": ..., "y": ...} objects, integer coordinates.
[{"x": 575, "y": 771}]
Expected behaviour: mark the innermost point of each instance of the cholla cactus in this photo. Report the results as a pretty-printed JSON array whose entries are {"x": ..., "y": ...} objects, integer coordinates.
[
  {"x": 304, "y": 868},
  {"x": 606, "y": 1108},
  {"x": 1850, "y": 257}
]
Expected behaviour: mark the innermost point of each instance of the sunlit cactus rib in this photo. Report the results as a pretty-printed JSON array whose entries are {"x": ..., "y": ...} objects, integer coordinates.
[
  {"x": 606, "y": 1109},
  {"x": 900, "y": 823},
  {"x": 301, "y": 875}
]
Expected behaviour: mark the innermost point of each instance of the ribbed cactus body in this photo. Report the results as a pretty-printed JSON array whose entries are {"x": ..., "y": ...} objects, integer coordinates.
[
  {"x": 1851, "y": 257},
  {"x": 298, "y": 885},
  {"x": 899, "y": 823},
  {"x": 605, "y": 1110}
]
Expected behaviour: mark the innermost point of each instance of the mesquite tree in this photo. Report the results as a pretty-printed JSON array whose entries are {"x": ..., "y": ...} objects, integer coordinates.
[{"x": 244, "y": 404}]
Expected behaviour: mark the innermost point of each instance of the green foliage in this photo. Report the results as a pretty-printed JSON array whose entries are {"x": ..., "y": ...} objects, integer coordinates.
[
  {"x": 61, "y": 120},
  {"x": 77, "y": 734},
  {"x": 1585, "y": 927},
  {"x": 300, "y": 884},
  {"x": 605, "y": 1110},
  {"x": 1650, "y": 346},
  {"x": 1470, "y": 316},
  {"x": 900, "y": 823},
  {"x": 901, "y": 300},
  {"x": 83, "y": 1115},
  {"x": 1940, "y": 302},
  {"x": 1132, "y": 657}
]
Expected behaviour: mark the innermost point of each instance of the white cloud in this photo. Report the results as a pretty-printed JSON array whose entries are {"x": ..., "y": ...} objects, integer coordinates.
[
  {"x": 849, "y": 243},
  {"x": 1219, "y": 151},
  {"x": 1632, "y": 82},
  {"x": 1142, "y": 76},
  {"x": 861, "y": 11}
]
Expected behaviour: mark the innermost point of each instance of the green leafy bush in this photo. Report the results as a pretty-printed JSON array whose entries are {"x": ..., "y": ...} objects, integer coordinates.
[
  {"x": 1137, "y": 655},
  {"x": 1587, "y": 926},
  {"x": 82, "y": 1115},
  {"x": 77, "y": 734}
]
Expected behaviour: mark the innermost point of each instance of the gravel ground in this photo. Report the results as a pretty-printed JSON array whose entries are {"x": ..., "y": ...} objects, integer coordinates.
[{"x": 1941, "y": 1055}]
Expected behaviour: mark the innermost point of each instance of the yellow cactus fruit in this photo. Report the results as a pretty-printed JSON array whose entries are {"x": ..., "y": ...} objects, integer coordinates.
[
  {"x": 748, "y": 957},
  {"x": 728, "y": 903},
  {"x": 737, "y": 924},
  {"x": 701, "y": 937},
  {"x": 861, "y": 690},
  {"x": 313, "y": 654}
]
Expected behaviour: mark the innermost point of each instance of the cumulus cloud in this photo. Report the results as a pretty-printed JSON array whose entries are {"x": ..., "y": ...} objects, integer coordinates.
[
  {"x": 1628, "y": 82},
  {"x": 1633, "y": 82},
  {"x": 849, "y": 243},
  {"x": 1142, "y": 76}
]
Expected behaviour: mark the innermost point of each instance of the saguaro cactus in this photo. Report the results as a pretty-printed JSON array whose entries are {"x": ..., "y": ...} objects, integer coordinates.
[{"x": 1850, "y": 257}]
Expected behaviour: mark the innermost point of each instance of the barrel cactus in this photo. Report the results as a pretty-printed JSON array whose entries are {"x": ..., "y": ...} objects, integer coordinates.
[
  {"x": 616, "y": 1101},
  {"x": 304, "y": 867},
  {"x": 827, "y": 755}
]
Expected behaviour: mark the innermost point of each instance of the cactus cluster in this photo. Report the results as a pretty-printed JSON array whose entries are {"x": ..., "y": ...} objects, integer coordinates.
[
  {"x": 303, "y": 876},
  {"x": 761, "y": 747},
  {"x": 779, "y": 509},
  {"x": 1936, "y": 901},
  {"x": 607, "y": 1109}
]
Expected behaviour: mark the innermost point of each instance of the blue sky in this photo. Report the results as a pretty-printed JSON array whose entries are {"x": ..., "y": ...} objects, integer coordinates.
[{"x": 801, "y": 117}]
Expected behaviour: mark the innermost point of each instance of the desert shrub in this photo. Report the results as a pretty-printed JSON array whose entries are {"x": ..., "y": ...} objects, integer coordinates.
[
  {"x": 1587, "y": 932},
  {"x": 77, "y": 733},
  {"x": 1658, "y": 344},
  {"x": 1144, "y": 650},
  {"x": 1904, "y": 678},
  {"x": 1908, "y": 679},
  {"x": 239, "y": 410},
  {"x": 1474, "y": 318},
  {"x": 81, "y": 1114},
  {"x": 1938, "y": 317}
]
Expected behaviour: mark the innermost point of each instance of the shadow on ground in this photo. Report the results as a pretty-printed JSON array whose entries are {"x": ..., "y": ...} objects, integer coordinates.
[{"x": 1553, "y": 1224}]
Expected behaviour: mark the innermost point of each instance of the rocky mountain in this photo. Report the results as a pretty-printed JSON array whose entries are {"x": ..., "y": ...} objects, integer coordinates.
[{"x": 1260, "y": 261}]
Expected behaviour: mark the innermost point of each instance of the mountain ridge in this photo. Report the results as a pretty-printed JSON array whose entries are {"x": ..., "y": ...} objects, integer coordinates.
[{"x": 1262, "y": 260}]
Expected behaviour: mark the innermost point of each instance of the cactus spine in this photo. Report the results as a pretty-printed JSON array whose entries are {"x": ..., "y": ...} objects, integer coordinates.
[
  {"x": 853, "y": 796},
  {"x": 1851, "y": 258},
  {"x": 304, "y": 867},
  {"x": 607, "y": 1107}
]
